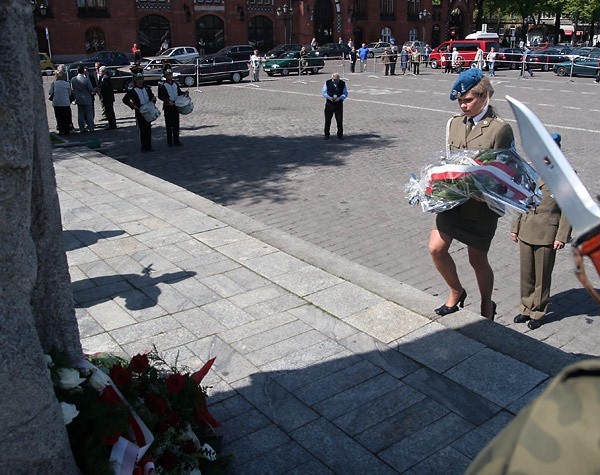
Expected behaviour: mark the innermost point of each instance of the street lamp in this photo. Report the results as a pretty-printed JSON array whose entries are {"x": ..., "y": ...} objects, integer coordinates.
[
  {"x": 39, "y": 7},
  {"x": 287, "y": 13},
  {"x": 424, "y": 16}
]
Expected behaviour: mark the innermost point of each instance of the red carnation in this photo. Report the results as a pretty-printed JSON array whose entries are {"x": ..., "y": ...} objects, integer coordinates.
[
  {"x": 120, "y": 376},
  {"x": 156, "y": 405},
  {"x": 168, "y": 460},
  {"x": 175, "y": 383},
  {"x": 139, "y": 363},
  {"x": 188, "y": 447}
]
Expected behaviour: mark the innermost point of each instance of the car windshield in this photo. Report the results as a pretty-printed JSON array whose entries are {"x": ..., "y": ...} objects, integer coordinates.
[
  {"x": 169, "y": 51},
  {"x": 292, "y": 54}
]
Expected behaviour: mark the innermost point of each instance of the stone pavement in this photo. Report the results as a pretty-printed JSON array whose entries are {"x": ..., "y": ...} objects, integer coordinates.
[{"x": 323, "y": 365}]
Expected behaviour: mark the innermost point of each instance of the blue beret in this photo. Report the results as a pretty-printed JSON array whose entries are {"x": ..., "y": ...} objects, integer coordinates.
[
  {"x": 557, "y": 138},
  {"x": 466, "y": 80}
]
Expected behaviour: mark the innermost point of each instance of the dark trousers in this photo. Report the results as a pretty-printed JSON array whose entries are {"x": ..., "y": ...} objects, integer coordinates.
[
  {"x": 172, "y": 124},
  {"x": 337, "y": 109},
  {"x": 145, "y": 130},
  {"x": 537, "y": 263},
  {"x": 352, "y": 66},
  {"x": 415, "y": 67},
  {"x": 109, "y": 111},
  {"x": 393, "y": 68},
  {"x": 448, "y": 66},
  {"x": 63, "y": 119},
  {"x": 387, "y": 68}
]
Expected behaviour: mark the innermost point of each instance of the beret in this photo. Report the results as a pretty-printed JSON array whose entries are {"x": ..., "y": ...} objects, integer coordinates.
[
  {"x": 557, "y": 138},
  {"x": 466, "y": 80}
]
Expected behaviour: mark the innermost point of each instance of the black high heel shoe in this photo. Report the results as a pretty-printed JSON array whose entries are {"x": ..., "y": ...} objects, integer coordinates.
[{"x": 445, "y": 310}]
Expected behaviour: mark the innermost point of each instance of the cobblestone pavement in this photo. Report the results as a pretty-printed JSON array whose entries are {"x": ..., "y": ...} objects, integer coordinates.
[{"x": 258, "y": 149}]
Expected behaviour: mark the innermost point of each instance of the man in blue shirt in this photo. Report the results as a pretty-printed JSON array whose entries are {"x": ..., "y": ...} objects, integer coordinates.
[
  {"x": 363, "y": 54},
  {"x": 334, "y": 92}
]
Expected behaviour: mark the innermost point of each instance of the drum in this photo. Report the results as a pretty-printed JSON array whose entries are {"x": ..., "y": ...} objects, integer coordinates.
[
  {"x": 184, "y": 104},
  {"x": 150, "y": 111}
]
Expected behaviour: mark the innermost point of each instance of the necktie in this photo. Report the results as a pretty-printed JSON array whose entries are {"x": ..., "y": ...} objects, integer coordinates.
[{"x": 470, "y": 124}]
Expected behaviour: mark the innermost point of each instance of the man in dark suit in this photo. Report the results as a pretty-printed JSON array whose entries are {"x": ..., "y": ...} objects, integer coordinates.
[
  {"x": 83, "y": 91},
  {"x": 540, "y": 233},
  {"x": 334, "y": 92},
  {"x": 107, "y": 96}
]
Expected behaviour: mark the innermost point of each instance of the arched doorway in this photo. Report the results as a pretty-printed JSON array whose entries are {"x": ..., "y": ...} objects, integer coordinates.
[
  {"x": 323, "y": 23},
  {"x": 260, "y": 33},
  {"x": 455, "y": 25},
  {"x": 435, "y": 36},
  {"x": 154, "y": 29},
  {"x": 95, "y": 40},
  {"x": 210, "y": 33},
  {"x": 358, "y": 37}
]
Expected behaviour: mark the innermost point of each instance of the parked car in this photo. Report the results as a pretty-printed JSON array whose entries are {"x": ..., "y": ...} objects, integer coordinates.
[
  {"x": 237, "y": 52},
  {"x": 511, "y": 58},
  {"x": 152, "y": 68},
  {"x": 212, "y": 67},
  {"x": 46, "y": 64},
  {"x": 544, "y": 59},
  {"x": 106, "y": 58},
  {"x": 467, "y": 49},
  {"x": 413, "y": 44},
  {"x": 280, "y": 50},
  {"x": 183, "y": 54},
  {"x": 376, "y": 49},
  {"x": 291, "y": 63},
  {"x": 333, "y": 50},
  {"x": 581, "y": 66}
]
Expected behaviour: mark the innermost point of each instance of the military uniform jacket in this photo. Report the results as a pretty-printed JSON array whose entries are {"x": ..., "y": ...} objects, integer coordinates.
[
  {"x": 544, "y": 224},
  {"x": 490, "y": 132}
]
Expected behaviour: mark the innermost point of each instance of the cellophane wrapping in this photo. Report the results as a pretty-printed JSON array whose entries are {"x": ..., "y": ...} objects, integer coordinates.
[{"x": 500, "y": 178}]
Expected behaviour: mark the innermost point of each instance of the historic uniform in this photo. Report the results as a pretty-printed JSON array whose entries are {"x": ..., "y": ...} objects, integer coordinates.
[
  {"x": 135, "y": 98},
  {"x": 474, "y": 223},
  {"x": 168, "y": 92}
]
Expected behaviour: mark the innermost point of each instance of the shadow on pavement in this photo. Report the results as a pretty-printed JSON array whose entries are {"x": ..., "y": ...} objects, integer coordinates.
[{"x": 78, "y": 238}]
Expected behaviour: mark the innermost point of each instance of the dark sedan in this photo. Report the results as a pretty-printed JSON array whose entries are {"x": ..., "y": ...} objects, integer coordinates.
[
  {"x": 237, "y": 52},
  {"x": 211, "y": 68},
  {"x": 105, "y": 58},
  {"x": 281, "y": 50},
  {"x": 544, "y": 59},
  {"x": 579, "y": 67},
  {"x": 333, "y": 50},
  {"x": 509, "y": 58},
  {"x": 291, "y": 63}
]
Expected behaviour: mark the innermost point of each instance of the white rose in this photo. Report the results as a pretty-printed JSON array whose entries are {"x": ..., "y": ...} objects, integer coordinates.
[
  {"x": 69, "y": 412},
  {"x": 99, "y": 380},
  {"x": 69, "y": 378}
]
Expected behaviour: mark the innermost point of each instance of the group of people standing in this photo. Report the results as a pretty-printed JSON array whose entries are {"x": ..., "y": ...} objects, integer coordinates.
[
  {"x": 84, "y": 88},
  {"x": 410, "y": 58}
]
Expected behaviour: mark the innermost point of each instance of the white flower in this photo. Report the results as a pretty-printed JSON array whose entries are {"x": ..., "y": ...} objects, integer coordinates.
[
  {"x": 69, "y": 378},
  {"x": 99, "y": 380},
  {"x": 69, "y": 412}
]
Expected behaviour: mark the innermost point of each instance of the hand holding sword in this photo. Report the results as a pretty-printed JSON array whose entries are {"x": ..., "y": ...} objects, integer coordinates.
[{"x": 570, "y": 193}]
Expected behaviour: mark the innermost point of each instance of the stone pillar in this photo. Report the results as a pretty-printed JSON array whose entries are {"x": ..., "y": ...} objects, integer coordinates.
[{"x": 36, "y": 310}]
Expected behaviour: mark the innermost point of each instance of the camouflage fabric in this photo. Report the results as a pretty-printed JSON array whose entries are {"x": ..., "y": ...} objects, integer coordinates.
[{"x": 558, "y": 433}]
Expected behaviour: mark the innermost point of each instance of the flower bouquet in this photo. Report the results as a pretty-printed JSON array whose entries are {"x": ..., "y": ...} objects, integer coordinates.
[
  {"x": 137, "y": 417},
  {"x": 501, "y": 178}
]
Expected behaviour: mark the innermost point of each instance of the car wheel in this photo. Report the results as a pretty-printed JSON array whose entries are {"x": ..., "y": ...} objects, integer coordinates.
[
  {"x": 314, "y": 70},
  {"x": 512, "y": 66},
  {"x": 561, "y": 71},
  {"x": 473, "y": 64},
  {"x": 370, "y": 54},
  {"x": 433, "y": 64},
  {"x": 545, "y": 67},
  {"x": 48, "y": 72},
  {"x": 285, "y": 72},
  {"x": 270, "y": 74},
  {"x": 189, "y": 81},
  {"x": 236, "y": 77}
]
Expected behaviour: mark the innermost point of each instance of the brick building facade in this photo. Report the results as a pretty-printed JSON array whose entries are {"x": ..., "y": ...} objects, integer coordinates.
[{"x": 72, "y": 28}]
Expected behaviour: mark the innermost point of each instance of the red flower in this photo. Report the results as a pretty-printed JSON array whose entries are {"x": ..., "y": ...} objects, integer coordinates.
[
  {"x": 173, "y": 419},
  {"x": 168, "y": 460},
  {"x": 175, "y": 383},
  {"x": 188, "y": 447},
  {"x": 156, "y": 405},
  {"x": 139, "y": 363},
  {"x": 110, "y": 396},
  {"x": 120, "y": 376}
]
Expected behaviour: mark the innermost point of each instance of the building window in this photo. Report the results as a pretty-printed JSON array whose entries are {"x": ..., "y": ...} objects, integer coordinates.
[
  {"x": 260, "y": 33},
  {"x": 210, "y": 33},
  {"x": 387, "y": 7},
  {"x": 95, "y": 40},
  {"x": 92, "y": 8},
  {"x": 360, "y": 9},
  {"x": 414, "y": 6},
  {"x": 386, "y": 34},
  {"x": 413, "y": 34}
]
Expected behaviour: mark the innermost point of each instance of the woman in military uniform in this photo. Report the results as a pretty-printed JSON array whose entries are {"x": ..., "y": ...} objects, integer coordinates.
[{"x": 473, "y": 223}]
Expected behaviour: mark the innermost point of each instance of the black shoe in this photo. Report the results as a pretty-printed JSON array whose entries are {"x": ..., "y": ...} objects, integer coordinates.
[
  {"x": 534, "y": 324},
  {"x": 445, "y": 310},
  {"x": 521, "y": 318},
  {"x": 179, "y": 144}
]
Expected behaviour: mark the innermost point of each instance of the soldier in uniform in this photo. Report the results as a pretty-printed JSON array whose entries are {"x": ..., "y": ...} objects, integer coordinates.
[
  {"x": 473, "y": 223},
  {"x": 540, "y": 233},
  {"x": 168, "y": 92}
]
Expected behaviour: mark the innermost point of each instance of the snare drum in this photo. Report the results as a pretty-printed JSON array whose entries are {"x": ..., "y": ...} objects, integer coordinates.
[
  {"x": 150, "y": 111},
  {"x": 184, "y": 104}
]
